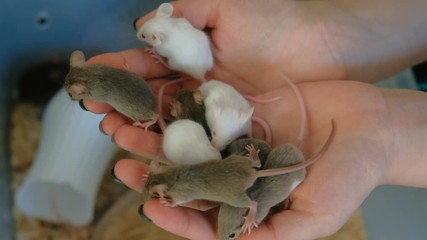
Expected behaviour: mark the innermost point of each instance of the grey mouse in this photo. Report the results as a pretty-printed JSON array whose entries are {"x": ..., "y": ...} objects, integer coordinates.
[
  {"x": 126, "y": 92},
  {"x": 224, "y": 181},
  {"x": 239, "y": 147},
  {"x": 268, "y": 191}
]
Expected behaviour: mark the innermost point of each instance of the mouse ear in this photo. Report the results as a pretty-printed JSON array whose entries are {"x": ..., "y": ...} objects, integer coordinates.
[
  {"x": 77, "y": 59},
  {"x": 164, "y": 10},
  {"x": 198, "y": 97},
  {"x": 77, "y": 88},
  {"x": 156, "y": 38},
  {"x": 160, "y": 189},
  {"x": 176, "y": 109}
]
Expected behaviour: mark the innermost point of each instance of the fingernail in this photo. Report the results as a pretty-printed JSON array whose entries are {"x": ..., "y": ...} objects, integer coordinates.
[
  {"x": 112, "y": 139},
  {"x": 142, "y": 215},
  {"x": 134, "y": 23},
  {"x": 100, "y": 128},
  {"x": 82, "y": 105},
  {"x": 113, "y": 175}
]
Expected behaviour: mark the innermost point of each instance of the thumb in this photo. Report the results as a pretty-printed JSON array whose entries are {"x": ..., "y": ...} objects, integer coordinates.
[{"x": 200, "y": 13}]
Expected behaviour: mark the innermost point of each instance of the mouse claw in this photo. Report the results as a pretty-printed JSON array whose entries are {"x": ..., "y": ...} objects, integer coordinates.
[
  {"x": 247, "y": 228},
  {"x": 248, "y": 225}
]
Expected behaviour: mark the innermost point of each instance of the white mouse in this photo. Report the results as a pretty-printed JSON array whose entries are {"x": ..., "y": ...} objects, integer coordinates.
[
  {"x": 185, "y": 142},
  {"x": 186, "y": 48},
  {"x": 228, "y": 113}
]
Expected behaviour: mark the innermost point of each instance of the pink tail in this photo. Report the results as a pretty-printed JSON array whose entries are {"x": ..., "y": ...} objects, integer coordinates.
[
  {"x": 303, "y": 109},
  {"x": 262, "y": 101},
  {"x": 266, "y": 127},
  {"x": 299, "y": 166}
]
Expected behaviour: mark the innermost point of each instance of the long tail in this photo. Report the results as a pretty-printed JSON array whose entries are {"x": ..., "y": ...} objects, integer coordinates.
[
  {"x": 303, "y": 110},
  {"x": 265, "y": 126},
  {"x": 262, "y": 101},
  {"x": 299, "y": 166}
]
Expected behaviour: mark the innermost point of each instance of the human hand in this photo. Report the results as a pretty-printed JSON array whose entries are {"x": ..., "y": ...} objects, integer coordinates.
[
  {"x": 364, "y": 152},
  {"x": 357, "y": 157},
  {"x": 308, "y": 40},
  {"x": 322, "y": 203}
]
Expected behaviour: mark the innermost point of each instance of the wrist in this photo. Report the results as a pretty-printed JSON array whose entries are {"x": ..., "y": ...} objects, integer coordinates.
[
  {"x": 375, "y": 39},
  {"x": 407, "y": 157}
]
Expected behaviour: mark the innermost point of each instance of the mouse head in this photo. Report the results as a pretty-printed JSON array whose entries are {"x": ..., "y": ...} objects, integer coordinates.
[
  {"x": 151, "y": 32},
  {"x": 184, "y": 102},
  {"x": 230, "y": 222},
  {"x": 75, "y": 81},
  {"x": 227, "y": 125}
]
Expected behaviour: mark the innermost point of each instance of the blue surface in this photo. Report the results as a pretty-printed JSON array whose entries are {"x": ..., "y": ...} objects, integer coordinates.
[
  {"x": 36, "y": 31},
  {"x": 396, "y": 213}
]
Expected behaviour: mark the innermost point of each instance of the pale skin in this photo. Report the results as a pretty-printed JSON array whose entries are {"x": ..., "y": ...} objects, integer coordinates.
[{"x": 379, "y": 133}]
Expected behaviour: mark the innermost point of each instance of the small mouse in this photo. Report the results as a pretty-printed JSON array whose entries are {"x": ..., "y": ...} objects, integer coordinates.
[
  {"x": 182, "y": 134},
  {"x": 238, "y": 147},
  {"x": 228, "y": 113},
  {"x": 188, "y": 104},
  {"x": 268, "y": 191},
  {"x": 126, "y": 92},
  {"x": 186, "y": 48},
  {"x": 224, "y": 181}
]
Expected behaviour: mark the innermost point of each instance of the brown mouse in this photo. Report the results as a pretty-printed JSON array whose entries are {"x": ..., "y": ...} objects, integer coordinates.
[
  {"x": 268, "y": 191},
  {"x": 126, "y": 92},
  {"x": 224, "y": 181},
  {"x": 188, "y": 104}
]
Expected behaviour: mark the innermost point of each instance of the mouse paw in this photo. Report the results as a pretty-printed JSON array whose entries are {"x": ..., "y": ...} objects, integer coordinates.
[
  {"x": 253, "y": 154},
  {"x": 165, "y": 202},
  {"x": 248, "y": 225},
  {"x": 250, "y": 218},
  {"x": 145, "y": 125},
  {"x": 145, "y": 176},
  {"x": 156, "y": 56}
]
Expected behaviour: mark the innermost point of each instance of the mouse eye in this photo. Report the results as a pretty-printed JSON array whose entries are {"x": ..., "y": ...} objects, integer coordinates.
[
  {"x": 69, "y": 94},
  {"x": 213, "y": 133},
  {"x": 142, "y": 36},
  {"x": 232, "y": 235}
]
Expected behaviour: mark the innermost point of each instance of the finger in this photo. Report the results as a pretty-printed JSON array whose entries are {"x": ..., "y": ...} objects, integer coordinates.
[
  {"x": 138, "y": 141},
  {"x": 181, "y": 221},
  {"x": 112, "y": 121},
  {"x": 96, "y": 107},
  {"x": 134, "y": 60},
  {"x": 130, "y": 172},
  {"x": 295, "y": 225},
  {"x": 200, "y": 13},
  {"x": 201, "y": 205}
]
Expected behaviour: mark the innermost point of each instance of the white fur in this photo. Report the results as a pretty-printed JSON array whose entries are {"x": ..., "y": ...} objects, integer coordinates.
[
  {"x": 186, "y": 47},
  {"x": 185, "y": 142},
  {"x": 295, "y": 184},
  {"x": 228, "y": 114}
]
